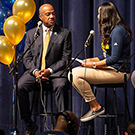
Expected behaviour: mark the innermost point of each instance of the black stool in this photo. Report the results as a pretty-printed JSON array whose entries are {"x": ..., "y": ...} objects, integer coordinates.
[
  {"x": 126, "y": 113},
  {"x": 45, "y": 89}
]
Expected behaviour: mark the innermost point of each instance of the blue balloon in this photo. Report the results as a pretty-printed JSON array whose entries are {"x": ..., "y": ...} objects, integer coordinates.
[
  {"x": 9, "y": 12},
  {"x": 8, "y": 3},
  {"x": 1, "y": 29},
  {"x": 4, "y": 13}
]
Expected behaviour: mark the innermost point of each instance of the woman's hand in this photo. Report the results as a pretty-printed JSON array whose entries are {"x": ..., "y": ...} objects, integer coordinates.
[
  {"x": 95, "y": 59},
  {"x": 94, "y": 63},
  {"x": 87, "y": 63}
]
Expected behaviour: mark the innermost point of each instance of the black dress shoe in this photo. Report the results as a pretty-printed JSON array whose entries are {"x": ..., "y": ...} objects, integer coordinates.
[
  {"x": 92, "y": 114},
  {"x": 31, "y": 128}
]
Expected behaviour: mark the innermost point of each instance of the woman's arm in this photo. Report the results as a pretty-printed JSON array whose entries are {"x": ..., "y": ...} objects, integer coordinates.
[
  {"x": 91, "y": 59},
  {"x": 94, "y": 63}
]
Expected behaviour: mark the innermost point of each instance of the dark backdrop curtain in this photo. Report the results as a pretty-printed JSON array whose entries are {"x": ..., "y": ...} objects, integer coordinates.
[{"x": 80, "y": 17}]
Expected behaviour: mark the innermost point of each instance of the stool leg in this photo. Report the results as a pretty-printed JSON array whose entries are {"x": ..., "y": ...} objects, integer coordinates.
[
  {"x": 45, "y": 109},
  {"x": 52, "y": 109},
  {"x": 105, "y": 126},
  {"x": 127, "y": 113},
  {"x": 46, "y": 95},
  {"x": 105, "y": 129},
  {"x": 51, "y": 94},
  {"x": 95, "y": 92},
  {"x": 116, "y": 111},
  {"x": 90, "y": 126},
  {"x": 51, "y": 113}
]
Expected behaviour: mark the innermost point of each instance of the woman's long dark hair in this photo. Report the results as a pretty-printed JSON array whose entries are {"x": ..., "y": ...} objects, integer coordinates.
[{"x": 108, "y": 19}]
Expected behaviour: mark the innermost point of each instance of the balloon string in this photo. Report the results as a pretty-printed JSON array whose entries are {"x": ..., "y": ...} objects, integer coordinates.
[{"x": 13, "y": 94}]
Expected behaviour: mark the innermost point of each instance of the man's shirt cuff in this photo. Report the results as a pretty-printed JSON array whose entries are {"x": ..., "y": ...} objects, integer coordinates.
[
  {"x": 34, "y": 71},
  {"x": 50, "y": 70}
]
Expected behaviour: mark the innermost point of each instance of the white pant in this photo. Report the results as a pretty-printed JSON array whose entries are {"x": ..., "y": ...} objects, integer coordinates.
[
  {"x": 83, "y": 77},
  {"x": 133, "y": 79}
]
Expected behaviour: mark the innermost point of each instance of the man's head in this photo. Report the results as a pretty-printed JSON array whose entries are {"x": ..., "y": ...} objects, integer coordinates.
[
  {"x": 47, "y": 15},
  {"x": 2, "y": 132},
  {"x": 131, "y": 128},
  {"x": 67, "y": 122}
]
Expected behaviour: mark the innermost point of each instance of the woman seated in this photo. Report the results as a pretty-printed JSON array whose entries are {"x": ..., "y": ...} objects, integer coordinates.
[{"x": 116, "y": 37}]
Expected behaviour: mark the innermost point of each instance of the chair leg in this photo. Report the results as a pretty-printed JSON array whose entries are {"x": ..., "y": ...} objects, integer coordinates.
[
  {"x": 46, "y": 93},
  {"x": 90, "y": 127},
  {"x": 116, "y": 111},
  {"x": 105, "y": 126},
  {"x": 52, "y": 110},
  {"x": 127, "y": 112},
  {"x": 105, "y": 129},
  {"x": 95, "y": 91},
  {"x": 51, "y": 113}
]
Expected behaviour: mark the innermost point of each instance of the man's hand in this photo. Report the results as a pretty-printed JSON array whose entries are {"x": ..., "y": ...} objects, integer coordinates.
[
  {"x": 38, "y": 76},
  {"x": 44, "y": 74}
]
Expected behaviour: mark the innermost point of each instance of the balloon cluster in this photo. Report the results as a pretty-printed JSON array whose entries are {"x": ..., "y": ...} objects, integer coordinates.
[{"x": 13, "y": 26}]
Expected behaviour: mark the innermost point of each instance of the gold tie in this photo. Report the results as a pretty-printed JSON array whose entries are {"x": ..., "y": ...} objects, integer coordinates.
[{"x": 46, "y": 42}]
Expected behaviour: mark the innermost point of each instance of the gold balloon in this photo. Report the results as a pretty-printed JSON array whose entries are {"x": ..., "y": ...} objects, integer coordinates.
[
  {"x": 7, "y": 51},
  {"x": 25, "y": 9},
  {"x": 14, "y": 29}
]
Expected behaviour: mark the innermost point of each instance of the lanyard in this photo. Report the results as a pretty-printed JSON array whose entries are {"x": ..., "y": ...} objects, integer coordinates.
[{"x": 104, "y": 48}]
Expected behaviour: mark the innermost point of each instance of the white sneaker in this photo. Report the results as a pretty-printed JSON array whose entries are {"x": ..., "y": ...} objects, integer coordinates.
[{"x": 92, "y": 114}]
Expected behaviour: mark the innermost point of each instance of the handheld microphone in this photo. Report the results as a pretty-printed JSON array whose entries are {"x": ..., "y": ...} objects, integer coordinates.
[
  {"x": 37, "y": 29},
  {"x": 92, "y": 32}
]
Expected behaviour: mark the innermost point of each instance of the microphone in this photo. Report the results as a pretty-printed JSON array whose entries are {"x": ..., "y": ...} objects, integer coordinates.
[
  {"x": 92, "y": 32},
  {"x": 37, "y": 29}
]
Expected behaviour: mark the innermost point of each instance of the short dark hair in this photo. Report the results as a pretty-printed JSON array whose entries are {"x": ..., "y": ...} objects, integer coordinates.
[
  {"x": 72, "y": 121},
  {"x": 2, "y": 132},
  {"x": 131, "y": 128}
]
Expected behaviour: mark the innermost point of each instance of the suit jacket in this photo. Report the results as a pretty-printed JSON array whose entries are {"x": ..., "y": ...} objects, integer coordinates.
[{"x": 58, "y": 52}]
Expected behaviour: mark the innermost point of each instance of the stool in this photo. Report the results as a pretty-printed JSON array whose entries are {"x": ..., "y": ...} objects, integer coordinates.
[
  {"x": 126, "y": 114},
  {"x": 47, "y": 87}
]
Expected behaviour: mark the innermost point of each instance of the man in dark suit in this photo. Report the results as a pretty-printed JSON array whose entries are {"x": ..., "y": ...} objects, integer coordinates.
[{"x": 57, "y": 56}]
